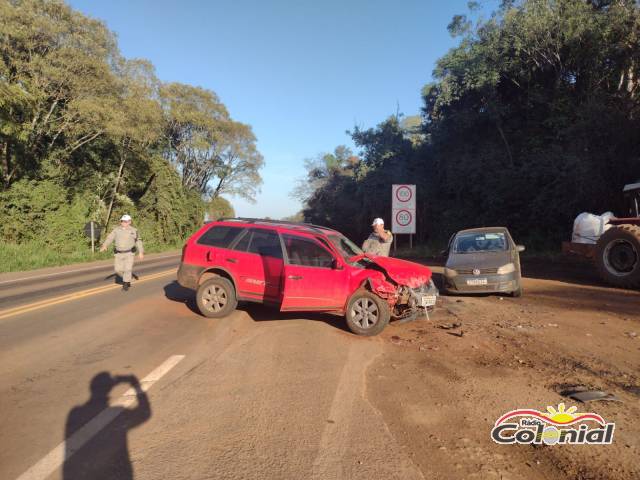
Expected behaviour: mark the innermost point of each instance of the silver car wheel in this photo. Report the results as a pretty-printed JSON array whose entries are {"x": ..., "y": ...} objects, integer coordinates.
[
  {"x": 364, "y": 313},
  {"x": 214, "y": 298}
]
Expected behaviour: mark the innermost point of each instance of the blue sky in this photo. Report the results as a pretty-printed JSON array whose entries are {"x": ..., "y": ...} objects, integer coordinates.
[{"x": 300, "y": 73}]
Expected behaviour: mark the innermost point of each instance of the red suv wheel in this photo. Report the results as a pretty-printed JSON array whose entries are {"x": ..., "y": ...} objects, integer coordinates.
[
  {"x": 216, "y": 298},
  {"x": 367, "y": 314}
]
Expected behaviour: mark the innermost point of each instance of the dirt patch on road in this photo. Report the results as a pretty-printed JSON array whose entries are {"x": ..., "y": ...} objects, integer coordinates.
[{"x": 440, "y": 390}]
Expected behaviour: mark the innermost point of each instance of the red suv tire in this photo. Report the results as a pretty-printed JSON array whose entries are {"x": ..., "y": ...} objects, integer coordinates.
[
  {"x": 216, "y": 298},
  {"x": 367, "y": 314}
]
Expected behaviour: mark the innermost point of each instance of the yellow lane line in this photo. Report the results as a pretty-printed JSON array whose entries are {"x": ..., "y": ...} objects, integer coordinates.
[{"x": 10, "y": 312}]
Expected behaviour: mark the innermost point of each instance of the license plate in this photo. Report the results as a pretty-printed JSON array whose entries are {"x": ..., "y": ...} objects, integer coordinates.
[
  {"x": 428, "y": 301},
  {"x": 477, "y": 281}
]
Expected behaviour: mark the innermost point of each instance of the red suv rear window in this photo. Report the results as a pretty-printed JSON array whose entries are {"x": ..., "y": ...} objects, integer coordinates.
[{"x": 219, "y": 236}]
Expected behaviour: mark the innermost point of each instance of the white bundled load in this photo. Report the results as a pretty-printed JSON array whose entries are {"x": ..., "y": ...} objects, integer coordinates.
[{"x": 587, "y": 227}]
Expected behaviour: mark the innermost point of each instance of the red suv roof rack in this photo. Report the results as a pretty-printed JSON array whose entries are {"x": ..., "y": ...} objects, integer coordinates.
[{"x": 285, "y": 223}]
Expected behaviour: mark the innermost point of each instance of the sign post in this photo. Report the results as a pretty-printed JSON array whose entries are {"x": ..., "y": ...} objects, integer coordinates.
[
  {"x": 403, "y": 211},
  {"x": 93, "y": 231}
]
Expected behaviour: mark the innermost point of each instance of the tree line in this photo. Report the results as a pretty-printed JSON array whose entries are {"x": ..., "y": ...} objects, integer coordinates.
[
  {"x": 86, "y": 134},
  {"x": 531, "y": 119}
]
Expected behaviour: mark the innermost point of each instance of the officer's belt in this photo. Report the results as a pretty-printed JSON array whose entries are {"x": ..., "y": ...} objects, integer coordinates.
[{"x": 125, "y": 251}]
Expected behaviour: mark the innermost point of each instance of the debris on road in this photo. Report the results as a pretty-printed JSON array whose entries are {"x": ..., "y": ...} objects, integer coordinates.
[
  {"x": 633, "y": 389},
  {"x": 585, "y": 396},
  {"x": 449, "y": 326}
]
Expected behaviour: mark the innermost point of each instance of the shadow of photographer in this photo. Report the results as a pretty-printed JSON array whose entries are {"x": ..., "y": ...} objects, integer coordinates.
[{"x": 105, "y": 455}]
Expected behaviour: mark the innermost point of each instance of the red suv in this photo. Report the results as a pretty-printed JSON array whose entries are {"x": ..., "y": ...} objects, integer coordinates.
[{"x": 301, "y": 267}]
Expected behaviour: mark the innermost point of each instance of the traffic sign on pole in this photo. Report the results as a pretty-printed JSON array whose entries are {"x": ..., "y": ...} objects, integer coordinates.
[{"x": 403, "y": 209}]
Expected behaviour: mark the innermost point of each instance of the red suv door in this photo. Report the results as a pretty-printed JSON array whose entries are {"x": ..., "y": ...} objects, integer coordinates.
[
  {"x": 313, "y": 278},
  {"x": 258, "y": 260}
]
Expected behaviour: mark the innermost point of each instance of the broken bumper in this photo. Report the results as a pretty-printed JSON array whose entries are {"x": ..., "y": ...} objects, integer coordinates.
[{"x": 426, "y": 295}]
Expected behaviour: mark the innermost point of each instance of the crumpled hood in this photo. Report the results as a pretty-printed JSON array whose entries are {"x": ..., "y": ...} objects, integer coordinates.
[{"x": 403, "y": 272}]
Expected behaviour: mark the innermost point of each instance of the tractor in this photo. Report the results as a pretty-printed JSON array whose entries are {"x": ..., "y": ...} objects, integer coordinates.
[{"x": 617, "y": 251}]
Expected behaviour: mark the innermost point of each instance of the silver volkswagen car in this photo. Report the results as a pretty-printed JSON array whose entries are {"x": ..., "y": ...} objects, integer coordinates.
[{"x": 483, "y": 260}]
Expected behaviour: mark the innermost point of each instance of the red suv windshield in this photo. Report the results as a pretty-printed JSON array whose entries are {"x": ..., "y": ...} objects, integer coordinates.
[{"x": 346, "y": 247}]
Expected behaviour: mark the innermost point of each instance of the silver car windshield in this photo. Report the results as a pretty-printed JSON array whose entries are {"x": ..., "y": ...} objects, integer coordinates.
[{"x": 480, "y": 242}]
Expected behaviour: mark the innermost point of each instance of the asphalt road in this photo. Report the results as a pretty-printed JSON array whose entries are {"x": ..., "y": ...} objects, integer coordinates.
[{"x": 256, "y": 395}]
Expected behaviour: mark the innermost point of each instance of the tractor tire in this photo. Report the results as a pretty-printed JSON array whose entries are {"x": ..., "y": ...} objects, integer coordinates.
[{"x": 618, "y": 256}]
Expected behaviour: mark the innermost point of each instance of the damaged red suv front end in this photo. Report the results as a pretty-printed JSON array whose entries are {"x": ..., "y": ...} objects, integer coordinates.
[{"x": 407, "y": 287}]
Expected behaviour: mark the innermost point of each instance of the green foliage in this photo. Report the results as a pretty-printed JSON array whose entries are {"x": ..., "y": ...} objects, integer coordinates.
[
  {"x": 86, "y": 134},
  {"x": 350, "y": 197},
  {"x": 322, "y": 169},
  {"x": 531, "y": 119},
  {"x": 215, "y": 154},
  {"x": 220, "y": 208},
  {"x": 16, "y": 257},
  {"x": 166, "y": 212}
]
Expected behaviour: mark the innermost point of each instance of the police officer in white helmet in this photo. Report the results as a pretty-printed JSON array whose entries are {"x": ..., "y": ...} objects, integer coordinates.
[
  {"x": 127, "y": 242},
  {"x": 379, "y": 241}
]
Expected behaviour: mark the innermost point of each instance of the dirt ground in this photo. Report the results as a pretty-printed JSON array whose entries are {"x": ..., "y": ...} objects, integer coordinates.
[{"x": 440, "y": 390}]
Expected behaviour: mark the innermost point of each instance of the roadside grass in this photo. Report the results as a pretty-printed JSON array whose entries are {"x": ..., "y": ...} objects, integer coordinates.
[{"x": 32, "y": 255}]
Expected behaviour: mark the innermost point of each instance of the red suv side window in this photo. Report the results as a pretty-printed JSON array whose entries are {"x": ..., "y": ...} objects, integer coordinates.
[
  {"x": 261, "y": 241},
  {"x": 306, "y": 252}
]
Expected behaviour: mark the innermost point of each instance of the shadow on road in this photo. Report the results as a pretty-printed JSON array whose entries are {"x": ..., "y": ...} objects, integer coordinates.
[
  {"x": 177, "y": 293},
  {"x": 575, "y": 271},
  {"x": 617, "y": 301},
  {"x": 106, "y": 455},
  {"x": 117, "y": 279},
  {"x": 263, "y": 313},
  {"x": 256, "y": 311}
]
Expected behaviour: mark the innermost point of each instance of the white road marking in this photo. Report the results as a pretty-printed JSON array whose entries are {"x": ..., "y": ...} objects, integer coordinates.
[
  {"x": 56, "y": 457},
  {"x": 156, "y": 375},
  {"x": 77, "y": 270}
]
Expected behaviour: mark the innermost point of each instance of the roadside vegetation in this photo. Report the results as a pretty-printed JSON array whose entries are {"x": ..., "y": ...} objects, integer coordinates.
[
  {"x": 87, "y": 135},
  {"x": 532, "y": 119},
  {"x": 31, "y": 255}
]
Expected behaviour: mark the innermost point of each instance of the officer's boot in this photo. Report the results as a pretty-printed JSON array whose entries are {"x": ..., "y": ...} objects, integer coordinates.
[{"x": 126, "y": 285}]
